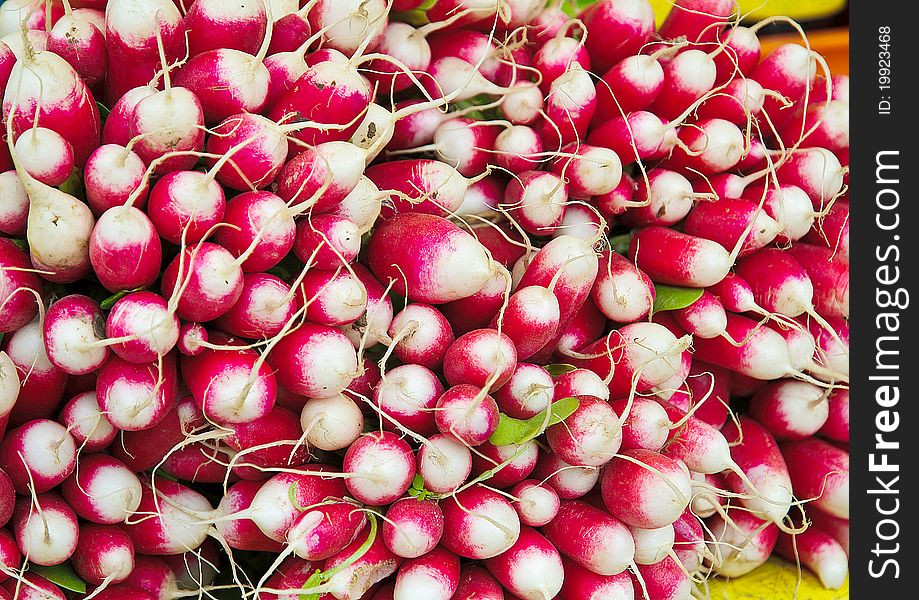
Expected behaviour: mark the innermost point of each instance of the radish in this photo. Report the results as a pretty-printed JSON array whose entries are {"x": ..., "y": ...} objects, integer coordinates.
[
  {"x": 265, "y": 305},
  {"x": 104, "y": 554},
  {"x": 570, "y": 106},
  {"x": 584, "y": 584},
  {"x": 611, "y": 549},
  {"x": 144, "y": 449},
  {"x": 444, "y": 463},
  {"x": 41, "y": 383},
  {"x": 413, "y": 527},
  {"x": 479, "y": 523},
  {"x": 701, "y": 263},
  {"x": 19, "y": 288},
  {"x": 45, "y": 155},
  {"x": 568, "y": 481},
  {"x": 695, "y": 19},
  {"x": 328, "y": 239},
  {"x": 736, "y": 103},
  {"x": 380, "y": 466},
  {"x": 790, "y": 410},
  {"x": 836, "y": 427},
  {"x": 646, "y": 426},
  {"x": 528, "y": 392},
  {"x": 667, "y": 198},
  {"x": 331, "y": 423},
  {"x": 629, "y": 22},
  {"x": 507, "y": 465},
  {"x": 740, "y": 54},
  {"x": 711, "y": 145},
  {"x": 640, "y": 135},
  {"x": 202, "y": 282},
  {"x": 436, "y": 575},
  {"x": 277, "y": 504},
  {"x": 356, "y": 577},
  {"x": 727, "y": 223},
  {"x": 701, "y": 447},
  {"x": 72, "y": 335},
  {"x": 46, "y": 531},
  {"x": 90, "y": 429},
  {"x": 296, "y": 357},
  {"x": 185, "y": 203},
  {"x": 764, "y": 354},
  {"x": 212, "y": 25},
  {"x": 689, "y": 541},
  {"x": 120, "y": 231},
  {"x": 192, "y": 336},
  {"x": 175, "y": 519},
  {"x": 14, "y": 203},
  {"x": 465, "y": 144},
  {"x": 135, "y": 396},
  {"x": 476, "y": 582},
  {"x": 828, "y": 273},
  {"x": 687, "y": 78},
  {"x": 168, "y": 125},
  {"x": 258, "y": 147},
  {"x": 348, "y": 24},
  {"x": 636, "y": 82},
  {"x": 152, "y": 574},
  {"x": 518, "y": 148},
  {"x": 421, "y": 335},
  {"x": 652, "y": 545},
  {"x": 371, "y": 327},
  {"x": 265, "y": 233},
  {"x": 477, "y": 311},
  {"x": 483, "y": 357},
  {"x": 10, "y": 556},
  {"x": 819, "y": 552},
  {"x": 536, "y": 200},
  {"x": 81, "y": 42},
  {"x": 819, "y": 471},
  {"x": 33, "y": 587},
  {"x": 406, "y": 397},
  {"x": 111, "y": 176},
  {"x": 104, "y": 491},
  {"x": 268, "y": 443},
  {"x": 38, "y": 456},
  {"x": 645, "y": 489},
  {"x": 460, "y": 265},
  {"x": 324, "y": 531},
  {"x": 537, "y": 503},
  {"x": 467, "y": 413},
  {"x": 790, "y": 70},
  {"x": 590, "y": 436},
  {"x": 665, "y": 580},
  {"x": 531, "y": 568},
  {"x": 239, "y": 532},
  {"x": 837, "y": 528},
  {"x": 420, "y": 185}
]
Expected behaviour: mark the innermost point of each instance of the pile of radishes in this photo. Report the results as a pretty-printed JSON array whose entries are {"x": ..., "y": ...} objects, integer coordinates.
[{"x": 417, "y": 299}]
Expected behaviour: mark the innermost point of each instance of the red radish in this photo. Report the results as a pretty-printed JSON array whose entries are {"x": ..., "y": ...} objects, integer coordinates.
[
  {"x": 434, "y": 575},
  {"x": 417, "y": 126},
  {"x": 459, "y": 267},
  {"x": 38, "y": 455},
  {"x": 413, "y": 527},
  {"x": 755, "y": 451},
  {"x": 185, "y": 203},
  {"x": 570, "y": 106},
  {"x": 288, "y": 579},
  {"x": 104, "y": 554},
  {"x": 556, "y": 56},
  {"x": 19, "y": 288},
  {"x": 327, "y": 240},
  {"x": 737, "y": 102},
  {"x": 583, "y": 584},
  {"x": 444, "y": 463},
  {"x": 700, "y": 263},
  {"x": 203, "y": 282},
  {"x": 528, "y": 392},
  {"x": 371, "y": 327},
  {"x": 308, "y": 180},
  {"x": 484, "y": 358},
  {"x": 167, "y": 122},
  {"x": 347, "y": 24},
  {"x": 331, "y": 423},
  {"x": 258, "y": 148},
  {"x": 589, "y": 171},
  {"x": 836, "y": 427},
  {"x": 46, "y": 534},
  {"x": 111, "y": 176},
  {"x": 652, "y": 545},
  {"x": 828, "y": 273},
  {"x": 117, "y": 129},
  {"x": 697, "y": 444},
  {"x": 705, "y": 318},
  {"x": 324, "y": 531},
  {"x": 665, "y": 580},
  {"x": 740, "y": 54},
  {"x": 667, "y": 198},
  {"x": 239, "y": 532},
  {"x": 356, "y": 577},
  {"x": 531, "y": 568},
  {"x": 611, "y": 549},
  {"x": 476, "y": 311},
  {"x": 475, "y": 582},
  {"x": 711, "y": 145},
  {"x": 789, "y": 70},
  {"x": 819, "y": 552},
  {"x": 72, "y": 335},
  {"x": 537, "y": 504},
  {"x": 696, "y": 19},
  {"x": 505, "y": 465},
  {"x": 706, "y": 393},
  {"x": 568, "y": 481},
  {"x": 192, "y": 336},
  {"x": 819, "y": 471},
  {"x": 332, "y": 297},
  {"x": 420, "y": 185},
  {"x": 266, "y": 230},
  {"x": 45, "y": 155},
  {"x": 270, "y": 442},
  {"x": 640, "y": 135},
  {"x": 136, "y": 396},
  {"x": 790, "y": 410},
  {"x": 530, "y": 319},
  {"x": 10, "y": 556},
  {"x": 278, "y": 503},
  {"x": 636, "y": 81},
  {"x": 630, "y": 23},
  {"x": 831, "y": 231},
  {"x": 33, "y": 587},
  {"x": 647, "y": 425},
  {"x": 518, "y": 148},
  {"x": 212, "y": 25},
  {"x": 140, "y": 450},
  {"x": 837, "y": 528},
  {"x": 642, "y": 497},
  {"x": 827, "y": 122},
  {"x": 689, "y": 540},
  {"x": 104, "y": 491},
  {"x": 467, "y": 413},
  {"x": 406, "y": 397},
  {"x": 90, "y": 429},
  {"x": 465, "y": 144},
  {"x": 14, "y": 204},
  {"x": 537, "y": 200},
  {"x": 178, "y": 522},
  {"x": 196, "y": 463},
  {"x": 81, "y": 42},
  {"x": 479, "y": 523},
  {"x": 590, "y": 436},
  {"x": 151, "y": 573},
  {"x": 687, "y": 78},
  {"x": 265, "y": 305},
  {"x": 120, "y": 232},
  {"x": 42, "y": 384},
  {"x": 380, "y": 468},
  {"x": 296, "y": 357},
  {"x": 362, "y": 206},
  {"x": 421, "y": 335},
  {"x": 727, "y": 223}
]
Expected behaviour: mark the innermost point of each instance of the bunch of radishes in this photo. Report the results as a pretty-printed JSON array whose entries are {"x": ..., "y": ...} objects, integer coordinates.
[{"x": 416, "y": 299}]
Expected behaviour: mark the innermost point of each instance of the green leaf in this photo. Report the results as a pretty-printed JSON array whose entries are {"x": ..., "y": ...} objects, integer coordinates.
[
  {"x": 667, "y": 297},
  {"x": 559, "y": 369},
  {"x": 61, "y": 575},
  {"x": 22, "y": 244},
  {"x": 74, "y": 185},
  {"x": 109, "y": 302},
  {"x": 512, "y": 431},
  {"x": 104, "y": 111},
  {"x": 620, "y": 243}
]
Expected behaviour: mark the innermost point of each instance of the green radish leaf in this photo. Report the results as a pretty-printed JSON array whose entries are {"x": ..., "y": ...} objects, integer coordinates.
[
  {"x": 559, "y": 369},
  {"x": 419, "y": 491},
  {"x": 22, "y": 244},
  {"x": 415, "y": 18},
  {"x": 111, "y": 300},
  {"x": 104, "y": 111},
  {"x": 668, "y": 297},
  {"x": 74, "y": 185},
  {"x": 620, "y": 243},
  {"x": 61, "y": 575},
  {"x": 512, "y": 431}
]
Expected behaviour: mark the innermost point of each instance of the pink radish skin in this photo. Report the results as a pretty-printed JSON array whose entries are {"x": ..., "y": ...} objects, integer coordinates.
[
  {"x": 14, "y": 203},
  {"x": 592, "y": 171},
  {"x": 741, "y": 53},
  {"x": 828, "y": 273},
  {"x": 467, "y": 413},
  {"x": 765, "y": 354},
  {"x": 10, "y": 556},
  {"x": 296, "y": 356},
  {"x": 185, "y": 201},
  {"x": 170, "y": 121},
  {"x": 636, "y": 80},
  {"x": 555, "y": 57},
  {"x": 277, "y": 504},
  {"x": 483, "y": 358},
  {"x": 413, "y": 527},
  {"x": 117, "y": 129},
  {"x": 328, "y": 240},
  {"x": 837, "y": 528},
  {"x": 435, "y": 575},
  {"x": 537, "y": 503},
  {"x": 687, "y": 78},
  {"x": 444, "y": 463},
  {"x": 820, "y": 470},
  {"x": 288, "y": 33},
  {"x": 47, "y": 537},
  {"x": 465, "y": 144},
  {"x": 37, "y": 588},
  {"x": 322, "y": 532},
  {"x": 829, "y": 121},
  {"x": 479, "y": 523},
  {"x": 191, "y": 338},
  {"x": 537, "y": 200},
  {"x": 105, "y": 491},
  {"x": 381, "y": 467},
  {"x": 46, "y": 155},
  {"x": 695, "y": 19},
  {"x": 241, "y": 533},
  {"x": 259, "y": 150},
  {"x": 531, "y": 568},
  {"x": 135, "y": 396},
  {"x": 637, "y": 136},
  {"x": 266, "y": 230},
  {"x": 646, "y": 427},
  {"x": 530, "y": 319},
  {"x": 308, "y": 179},
  {"x": 42, "y": 384},
  {"x": 72, "y": 335},
  {"x": 104, "y": 553},
  {"x": 290, "y": 576},
  {"x": 742, "y": 98},
  {"x": 759, "y": 457},
  {"x": 568, "y": 481},
  {"x": 716, "y": 146},
  {"x": 420, "y": 185},
  {"x": 152, "y": 574},
  {"x": 789, "y": 70},
  {"x": 212, "y": 25},
  {"x": 476, "y": 582},
  {"x": 790, "y": 410},
  {"x": 590, "y": 436},
  {"x": 141, "y": 450},
  {"x": 727, "y": 222},
  {"x": 177, "y": 525},
  {"x": 407, "y": 395},
  {"x": 518, "y": 462},
  {"x": 631, "y": 23},
  {"x": 122, "y": 232},
  {"x": 522, "y": 103},
  {"x": 705, "y": 318},
  {"x": 665, "y": 580},
  {"x": 833, "y": 230},
  {"x": 819, "y": 552},
  {"x": 836, "y": 427},
  {"x": 702, "y": 263},
  {"x": 214, "y": 282},
  {"x": 584, "y": 584},
  {"x": 264, "y": 306},
  {"x": 90, "y": 429},
  {"x": 689, "y": 540},
  {"x": 404, "y": 43},
  {"x": 611, "y": 549},
  {"x": 371, "y": 327},
  {"x": 348, "y": 22},
  {"x": 642, "y": 498},
  {"x": 354, "y": 580},
  {"x": 457, "y": 268},
  {"x": 527, "y": 393},
  {"x": 331, "y": 423},
  {"x": 417, "y": 127},
  {"x": 267, "y": 443},
  {"x": 38, "y": 455},
  {"x": 713, "y": 409},
  {"x": 332, "y": 297},
  {"x": 82, "y": 44},
  {"x": 667, "y": 199},
  {"x": 570, "y": 106},
  {"x": 697, "y": 444},
  {"x": 111, "y": 175},
  {"x": 779, "y": 283},
  {"x": 476, "y": 311},
  {"x": 424, "y": 335},
  {"x": 518, "y": 149}
]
